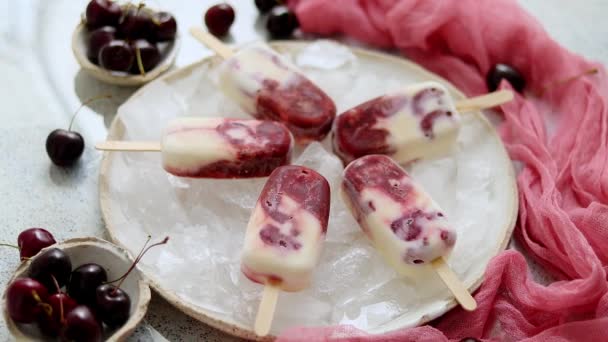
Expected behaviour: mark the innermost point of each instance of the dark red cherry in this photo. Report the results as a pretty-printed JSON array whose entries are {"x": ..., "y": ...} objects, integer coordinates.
[
  {"x": 98, "y": 39},
  {"x": 507, "y": 72},
  {"x": 102, "y": 13},
  {"x": 24, "y": 299},
  {"x": 219, "y": 18},
  {"x": 64, "y": 147},
  {"x": 32, "y": 240},
  {"x": 149, "y": 53},
  {"x": 84, "y": 281},
  {"x": 265, "y": 5},
  {"x": 81, "y": 326},
  {"x": 164, "y": 26},
  {"x": 135, "y": 24},
  {"x": 51, "y": 323},
  {"x": 51, "y": 263},
  {"x": 113, "y": 305},
  {"x": 281, "y": 22},
  {"x": 116, "y": 56}
]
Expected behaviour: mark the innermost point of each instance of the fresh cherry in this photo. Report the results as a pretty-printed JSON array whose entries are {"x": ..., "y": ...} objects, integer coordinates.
[
  {"x": 81, "y": 325},
  {"x": 509, "y": 73},
  {"x": 281, "y": 22},
  {"x": 149, "y": 54},
  {"x": 64, "y": 147},
  {"x": 24, "y": 299},
  {"x": 51, "y": 263},
  {"x": 112, "y": 303},
  {"x": 265, "y": 5},
  {"x": 117, "y": 56},
  {"x": 102, "y": 12},
  {"x": 84, "y": 280},
  {"x": 98, "y": 39},
  {"x": 219, "y": 18},
  {"x": 52, "y": 323},
  {"x": 135, "y": 24},
  {"x": 32, "y": 240},
  {"x": 164, "y": 27}
]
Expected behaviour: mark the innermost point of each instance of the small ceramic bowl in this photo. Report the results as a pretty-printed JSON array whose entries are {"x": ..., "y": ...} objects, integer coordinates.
[
  {"x": 168, "y": 52},
  {"x": 114, "y": 260}
]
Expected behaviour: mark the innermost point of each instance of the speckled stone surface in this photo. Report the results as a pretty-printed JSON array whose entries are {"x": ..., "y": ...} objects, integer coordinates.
[{"x": 42, "y": 85}]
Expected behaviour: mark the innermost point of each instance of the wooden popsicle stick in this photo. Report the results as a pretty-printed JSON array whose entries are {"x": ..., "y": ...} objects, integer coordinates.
[
  {"x": 211, "y": 42},
  {"x": 449, "y": 278},
  {"x": 138, "y": 146},
  {"x": 489, "y": 100},
  {"x": 263, "y": 320}
]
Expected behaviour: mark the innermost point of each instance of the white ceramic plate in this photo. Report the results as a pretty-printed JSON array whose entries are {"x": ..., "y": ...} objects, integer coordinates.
[{"x": 199, "y": 270}]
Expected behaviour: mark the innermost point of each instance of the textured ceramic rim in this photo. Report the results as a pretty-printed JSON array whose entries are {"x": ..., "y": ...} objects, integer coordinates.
[
  {"x": 112, "y": 78},
  {"x": 116, "y": 131},
  {"x": 119, "y": 335}
]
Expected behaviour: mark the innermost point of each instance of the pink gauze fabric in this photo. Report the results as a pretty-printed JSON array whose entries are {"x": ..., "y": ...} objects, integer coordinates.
[{"x": 563, "y": 185}]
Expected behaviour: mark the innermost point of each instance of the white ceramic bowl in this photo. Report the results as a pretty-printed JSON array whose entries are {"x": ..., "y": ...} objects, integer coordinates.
[
  {"x": 168, "y": 51},
  {"x": 114, "y": 260}
]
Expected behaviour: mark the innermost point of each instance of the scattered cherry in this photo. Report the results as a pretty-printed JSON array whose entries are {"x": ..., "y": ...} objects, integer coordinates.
[
  {"x": 281, "y": 22},
  {"x": 24, "y": 299},
  {"x": 61, "y": 304},
  {"x": 509, "y": 73},
  {"x": 149, "y": 54},
  {"x": 102, "y": 12},
  {"x": 32, "y": 240},
  {"x": 265, "y": 5},
  {"x": 219, "y": 18},
  {"x": 51, "y": 263},
  {"x": 112, "y": 303},
  {"x": 136, "y": 23},
  {"x": 64, "y": 147},
  {"x": 84, "y": 280},
  {"x": 98, "y": 39},
  {"x": 164, "y": 27},
  {"x": 81, "y": 325},
  {"x": 117, "y": 56}
]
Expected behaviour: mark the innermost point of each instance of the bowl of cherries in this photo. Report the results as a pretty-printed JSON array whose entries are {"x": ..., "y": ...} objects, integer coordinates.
[
  {"x": 84, "y": 289},
  {"x": 127, "y": 45}
]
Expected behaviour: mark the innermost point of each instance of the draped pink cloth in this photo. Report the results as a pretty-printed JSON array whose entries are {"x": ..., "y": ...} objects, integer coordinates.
[{"x": 563, "y": 185}]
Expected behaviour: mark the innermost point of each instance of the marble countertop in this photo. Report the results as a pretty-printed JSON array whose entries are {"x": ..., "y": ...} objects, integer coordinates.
[{"x": 42, "y": 86}]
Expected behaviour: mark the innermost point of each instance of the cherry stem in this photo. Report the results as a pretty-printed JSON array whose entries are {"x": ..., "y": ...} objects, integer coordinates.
[
  {"x": 141, "y": 254},
  {"x": 140, "y": 63},
  {"x": 135, "y": 260},
  {"x": 568, "y": 79},
  {"x": 106, "y": 96},
  {"x": 56, "y": 283},
  {"x": 9, "y": 245}
]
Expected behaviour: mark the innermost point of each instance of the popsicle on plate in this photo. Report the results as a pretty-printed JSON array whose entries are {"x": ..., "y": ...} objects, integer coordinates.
[
  {"x": 224, "y": 148},
  {"x": 268, "y": 86},
  {"x": 287, "y": 228},
  {"x": 402, "y": 221},
  {"x": 419, "y": 121}
]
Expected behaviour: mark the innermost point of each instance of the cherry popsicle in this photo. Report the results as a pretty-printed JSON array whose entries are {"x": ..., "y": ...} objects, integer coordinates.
[
  {"x": 285, "y": 235},
  {"x": 418, "y": 121},
  {"x": 217, "y": 147},
  {"x": 267, "y": 86},
  {"x": 401, "y": 220}
]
